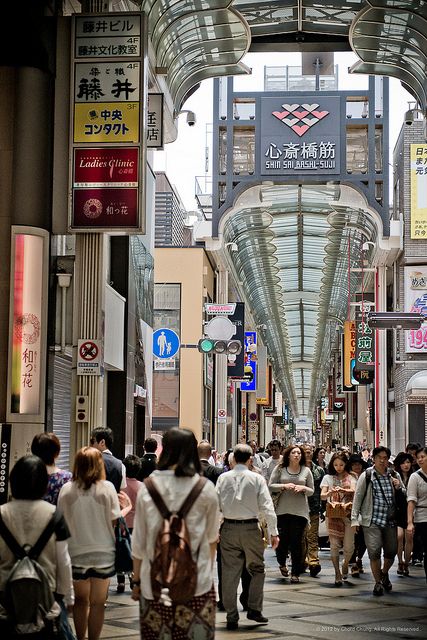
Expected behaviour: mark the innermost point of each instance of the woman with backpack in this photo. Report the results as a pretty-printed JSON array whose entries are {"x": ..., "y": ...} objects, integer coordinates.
[
  {"x": 91, "y": 506},
  {"x": 26, "y": 518},
  {"x": 184, "y": 600}
]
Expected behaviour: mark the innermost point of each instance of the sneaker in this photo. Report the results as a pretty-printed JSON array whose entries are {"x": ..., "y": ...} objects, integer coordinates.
[
  {"x": 378, "y": 589},
  {"x": 256, "y": 616},
  {"x": 232, "y": 625},
  {"x": 315, "y": 570},
  {"x": 386, "y": 582}
]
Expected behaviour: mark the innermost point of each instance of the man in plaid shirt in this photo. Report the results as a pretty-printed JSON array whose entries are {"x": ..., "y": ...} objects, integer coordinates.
[{"x": 373, "y": 504}]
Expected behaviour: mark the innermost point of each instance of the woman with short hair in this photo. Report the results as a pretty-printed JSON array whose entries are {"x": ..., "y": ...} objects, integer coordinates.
[
  {"x": 91, "y": 506},
  {"x": 47, "y": 447},
  {"x": 26, "y": 516},
  {"x": 178, "y": 472}
]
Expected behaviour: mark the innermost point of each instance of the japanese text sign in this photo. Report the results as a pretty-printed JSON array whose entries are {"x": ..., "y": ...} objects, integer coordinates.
[
  {"x": 154, "y": 137},
  {"x": 416, "y": 301},
  {"x": 107, "y": 36},
  {"x": 365, "y": 339},
  {"x": 250, "y": 360},
  {"x": 418, "y": 191},
  {"x": 302, "y": 137}
]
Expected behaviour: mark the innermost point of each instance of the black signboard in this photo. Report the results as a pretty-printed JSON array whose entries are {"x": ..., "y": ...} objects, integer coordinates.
[
  {"x": 365, "y": 342},
  {"x": 236, "y": 368},
  {"x": 300, "y": 134}
]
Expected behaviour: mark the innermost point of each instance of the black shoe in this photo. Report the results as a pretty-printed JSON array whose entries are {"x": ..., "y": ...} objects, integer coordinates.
[
  {"x": 232, "y": 626},
  {"x": 256, "y": 616},
  {"x": 243, "y": 602},
  {"x": 220, "y": 606},
  {"x": 386, "y": 582},
  {"x": 315, "y": 570},
  {"x": 120, "y": 587},
  {"x": 378, "y": 589}
]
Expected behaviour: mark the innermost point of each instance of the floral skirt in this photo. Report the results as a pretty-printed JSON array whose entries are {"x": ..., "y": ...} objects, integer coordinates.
[{"x": 193, "y": 620}]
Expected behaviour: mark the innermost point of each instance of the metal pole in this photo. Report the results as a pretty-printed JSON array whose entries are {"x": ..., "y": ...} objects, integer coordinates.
[{"x": 221, "y": 372}]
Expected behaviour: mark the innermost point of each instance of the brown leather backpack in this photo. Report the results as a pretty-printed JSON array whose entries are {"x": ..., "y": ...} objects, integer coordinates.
[{"x": 173, "y": 570}]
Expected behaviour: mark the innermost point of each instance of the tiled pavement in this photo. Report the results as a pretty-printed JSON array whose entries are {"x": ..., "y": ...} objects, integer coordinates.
[{"x": 314, "y": 609}]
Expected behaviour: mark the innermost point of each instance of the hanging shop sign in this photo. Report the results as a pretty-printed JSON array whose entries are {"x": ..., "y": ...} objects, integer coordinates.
[
  {"x": 236, "y": 364},
  {"x": 418, "y": 171},
  {"x": 250, "y": 355},
  {"x": 365, "y": 342},
  {"x": 301, "y": 135},
  {"x": 349, "y": 350},
  {"x": 154, "y": 135},
  {"x": 107, "y": 91},
  {"x": 416, "y": 301},
  {"x": 27, "y": 325}
]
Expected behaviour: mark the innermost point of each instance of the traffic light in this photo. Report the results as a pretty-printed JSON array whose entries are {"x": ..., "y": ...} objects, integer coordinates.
[
  {"x": 82, "y": 408},
  {"x": 207, "y": 345}
]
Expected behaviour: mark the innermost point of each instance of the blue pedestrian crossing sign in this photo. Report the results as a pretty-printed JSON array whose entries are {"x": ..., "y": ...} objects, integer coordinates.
[{"x": 165, "y": 344}]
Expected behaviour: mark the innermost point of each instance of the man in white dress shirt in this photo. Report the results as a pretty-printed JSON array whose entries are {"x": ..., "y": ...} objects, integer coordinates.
[{"x": 243, "y": 495}]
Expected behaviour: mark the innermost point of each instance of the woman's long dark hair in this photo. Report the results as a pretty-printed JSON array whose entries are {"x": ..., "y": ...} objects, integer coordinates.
[{"x": 180, "y": 451}]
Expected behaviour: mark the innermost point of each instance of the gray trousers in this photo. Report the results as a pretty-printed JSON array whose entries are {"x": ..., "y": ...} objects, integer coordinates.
[{"x": 241, "y": 545}]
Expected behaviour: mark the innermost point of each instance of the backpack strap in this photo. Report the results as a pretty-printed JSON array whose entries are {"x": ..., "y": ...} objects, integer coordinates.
[
  {"x": 45, "y": 535},
  {"x": 19, "y": 551},
  {"x": 192, "y": 497},
  {"x": 157, "y": 498},
  {"x": 186, "y": 505},
  {"x": 420, "y": 473}
]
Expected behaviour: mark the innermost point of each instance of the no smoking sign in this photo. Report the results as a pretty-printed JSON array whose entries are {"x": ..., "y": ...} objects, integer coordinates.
[{"x": 88, "y": 358}]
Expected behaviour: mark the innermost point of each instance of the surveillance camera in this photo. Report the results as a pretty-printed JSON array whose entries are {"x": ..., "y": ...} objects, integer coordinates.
[
  {"x": 409, "y": 117},
  {"x": 191, "y": 118}
]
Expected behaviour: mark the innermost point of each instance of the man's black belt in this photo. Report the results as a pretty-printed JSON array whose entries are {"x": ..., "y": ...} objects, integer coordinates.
[{"x": 250, "y": 521}]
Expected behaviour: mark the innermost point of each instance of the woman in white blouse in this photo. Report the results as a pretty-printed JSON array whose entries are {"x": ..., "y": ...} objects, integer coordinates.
[
  {"x": 91, "y": 506},
  {"x": 177, "y": 473}
]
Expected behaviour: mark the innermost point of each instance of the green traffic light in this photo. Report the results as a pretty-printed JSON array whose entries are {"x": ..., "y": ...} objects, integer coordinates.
[{"x": 205, "y": 345}]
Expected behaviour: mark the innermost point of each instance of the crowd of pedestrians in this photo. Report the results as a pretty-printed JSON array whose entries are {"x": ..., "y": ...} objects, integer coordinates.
[{"x": 250, "y": 499}]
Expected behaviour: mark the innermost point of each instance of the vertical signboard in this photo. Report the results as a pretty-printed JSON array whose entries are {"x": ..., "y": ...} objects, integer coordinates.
[
  {"x": 418, "y": 191},
  {"x": 27, "y": 325},
  {"x": 236, "y": 364},
  {"x": 364, "y": 368},
  {"x": 108, "y": 91},
  {"x": 349, "y": 350},
  {"x": 250, "y": 355},
  {"x": 416, "y": 302},
  {"x": 154, "y": 137}
]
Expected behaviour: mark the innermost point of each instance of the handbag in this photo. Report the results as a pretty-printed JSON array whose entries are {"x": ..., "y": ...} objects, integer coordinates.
[
  {"x": 123, "y": 562},
  {"x": 276, "y": 499},
  {"x": 337, "y": 510}
]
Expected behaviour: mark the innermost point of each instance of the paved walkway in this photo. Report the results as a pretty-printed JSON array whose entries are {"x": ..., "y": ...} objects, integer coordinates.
[{"x": 314, "y": 609}]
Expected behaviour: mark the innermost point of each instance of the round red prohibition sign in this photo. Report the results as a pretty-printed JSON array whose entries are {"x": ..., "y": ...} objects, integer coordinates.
[
  {"x": 88, "y": 350},
  {"x": 222, "y": 413}
]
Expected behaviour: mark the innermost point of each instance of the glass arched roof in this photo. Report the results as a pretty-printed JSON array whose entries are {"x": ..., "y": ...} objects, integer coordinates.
[
  {"x": 295, "y": 258},
  {"x": 198, "y": 39}
]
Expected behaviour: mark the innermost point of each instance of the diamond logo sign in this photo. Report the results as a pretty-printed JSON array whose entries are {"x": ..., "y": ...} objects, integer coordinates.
[{"x": 300, "y": 117}]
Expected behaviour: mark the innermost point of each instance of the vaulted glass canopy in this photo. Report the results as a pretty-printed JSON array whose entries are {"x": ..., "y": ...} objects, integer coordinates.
[
  {"x": 295, "y": 258},
  {"x": 198, "y": 39}
]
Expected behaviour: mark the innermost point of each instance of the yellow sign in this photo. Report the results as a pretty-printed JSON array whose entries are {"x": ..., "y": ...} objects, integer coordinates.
[
  {"x": 106, "y": 122},
  {"x": 418, "y": 191},
  {"x": 349, "y": 350}
]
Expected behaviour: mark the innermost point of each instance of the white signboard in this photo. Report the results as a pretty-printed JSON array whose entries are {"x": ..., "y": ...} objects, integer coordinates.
[
  {"x": 154, "y": 132},
  {"x": 214, "y": 309},
  {"x": 107, "y": 81},
  {"x": 89, "y": 358},
  {"x": 416, "y": 301},
  {"x": 164, "y": 365},
  {"x": 108, "y": 36}
]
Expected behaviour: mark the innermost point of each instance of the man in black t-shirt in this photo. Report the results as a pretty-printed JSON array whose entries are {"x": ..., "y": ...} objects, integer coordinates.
[{"x": 149, "y": 459}]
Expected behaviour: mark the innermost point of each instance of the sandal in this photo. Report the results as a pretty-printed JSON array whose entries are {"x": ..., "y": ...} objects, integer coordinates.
[
  {"x": 294, "y": 580},
  {"x": 405, "y": 569},
  {"x": 355, "y": 571},
  {"x": 284, "y": 571},
  {"x": 400, "y": 569}
]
